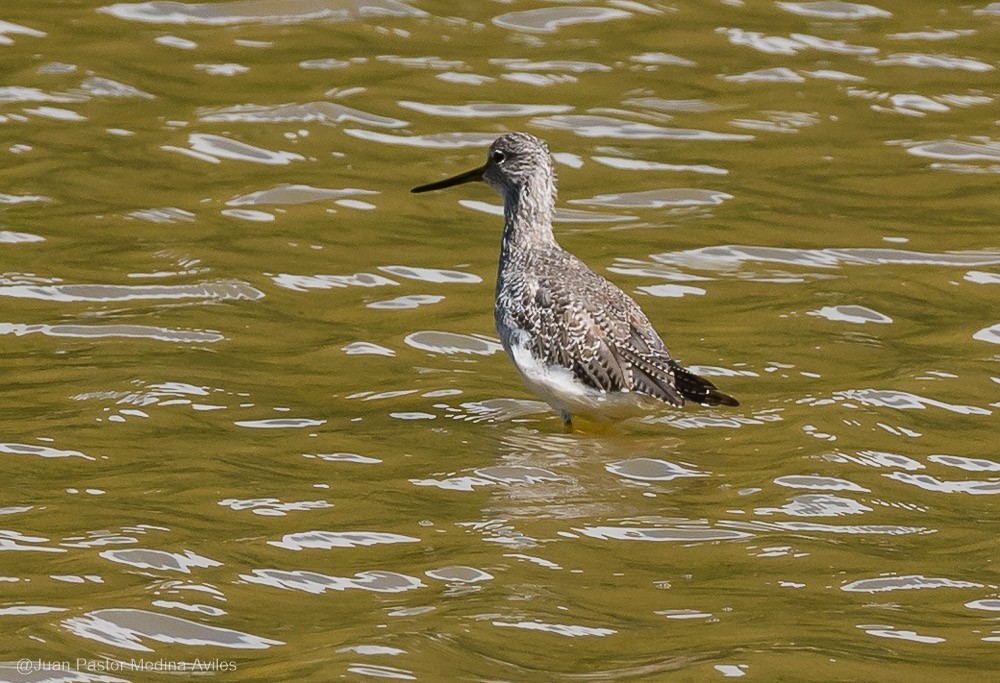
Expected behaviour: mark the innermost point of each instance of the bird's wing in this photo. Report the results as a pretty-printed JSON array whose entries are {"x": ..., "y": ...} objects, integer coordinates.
[
  {"x": 594, "y": 330},
  {"x": 655, "y": 372}
]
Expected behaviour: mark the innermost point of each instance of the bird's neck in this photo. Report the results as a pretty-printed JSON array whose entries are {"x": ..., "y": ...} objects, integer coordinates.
[{"x": 527, "y": 222}]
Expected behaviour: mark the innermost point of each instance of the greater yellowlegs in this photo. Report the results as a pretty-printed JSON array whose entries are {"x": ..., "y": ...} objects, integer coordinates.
[{"x": 578, "y": 341}]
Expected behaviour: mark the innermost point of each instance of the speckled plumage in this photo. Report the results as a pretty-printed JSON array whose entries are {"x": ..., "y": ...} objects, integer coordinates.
[{"x": 577, "y": 339}]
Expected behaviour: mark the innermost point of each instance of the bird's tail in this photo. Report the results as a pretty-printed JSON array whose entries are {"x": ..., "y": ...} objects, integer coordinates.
[{"x": 700, "y": 390}]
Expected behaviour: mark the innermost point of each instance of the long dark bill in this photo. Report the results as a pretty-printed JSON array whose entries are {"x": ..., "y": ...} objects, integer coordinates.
[{"x": 472, "y": 176}]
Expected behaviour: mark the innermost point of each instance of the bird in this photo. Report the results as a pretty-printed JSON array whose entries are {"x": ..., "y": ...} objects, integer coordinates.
[{"x": 577, "y": 340}]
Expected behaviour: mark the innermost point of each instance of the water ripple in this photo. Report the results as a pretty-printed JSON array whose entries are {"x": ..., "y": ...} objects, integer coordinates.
[
  {"x": 325, "y": 540},
  {"x": 372, "y": 650},
  {"x": 26, "y": 610},
  {"x": 672, "y": 291},
  {"x": 366, "y": 349},
  {"x": 221, "y": 291},
  {"x": 56, "y": 114},
  {"x": 126, "y": 628},
  {"x": 850, "y": 529},
  {"x": 654, "y": 59},
  {"x": 459, "y": 574},
  {"x": 434, "y": 275},
  {"x": 779, "y": 74},
  {"x": 158, "y": 559},
  {"x": 561, "y": 215},
  {"x": 434, "y": 141},
  {"x": 483, "y": 109},
  {"x": 568, "y": 630},
  {"x": 550, "y": 19},
  {"x": 817, "y": 505},
  {"x": 818, "y": 483},
  {"x": 967, "y": 464},
  {"x": 106, "y": 331},
  {"x": 494, "y": 410},
  {"x": 257, "y": 11},
  {"x": 301, "y": 283},
  {"x": 295, "y": 194},
  {"x": 851, "y": 314},
  {"x": 41, "y": 451},
  {"x": 877, "y": 459},
  {"x": 428, "y": 62},
  {"x": 9, "y": 29},
  {"x": 451, "y": 343},
  {"x": 989, "y": 334},
  {"x": 651, "y": 469},
  {"x": 896, "y": 583},
  {"x": 458, "y": 483},
  {"x": 281, "y": 423},
  {"x": 344, "y": 457},
  {"x": 928, "y": 483},
  {"x": 657, "y": 199},
  {"x": 214, "y": 148},
  {"x": 955, "y": 150},
  {"x": 779, "y": 121},
  {"x": 15, "y": 540},
  {"x": 675, "y": 534},
  {"x": 640, "y": 165},
  {"x": 727, "y": 256},
  {"x": 987, "y": 604},
  {"x": 176, "y": 41},
  {"x": 21, "y": 199},
  {"x": 227, "y": 69},
  {"x": 96, "y": 86},
  {"x": 316, "y": 584},
  {"x": 608, "y": 127},
  {"x": 167, "y": 214},
  {"x": 888, "y": 631},
  {"x": 834, "y": 9},
  {"x": 982, "y": 278},
  {"x": 903, "y": 400},
  {"x": 329, "y": 113},
  {"x": 795, "y": 43},
  {"x": 381, "y": 671},
  {"x": 273, "y": 507},
  {"x": 939, "y": 61},
  {"x": 409, "y": 301},
  {"x": 914, "y": 104},
  {"x": 517, "y": 474},
  {"x": 564, "y": 65}
]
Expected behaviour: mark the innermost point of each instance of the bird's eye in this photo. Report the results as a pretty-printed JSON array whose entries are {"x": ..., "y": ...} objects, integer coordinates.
[{"x": 498, "y": 157}]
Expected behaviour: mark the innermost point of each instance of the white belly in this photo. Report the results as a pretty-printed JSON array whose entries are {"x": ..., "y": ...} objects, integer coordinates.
[{"x": 568, "y": 395}]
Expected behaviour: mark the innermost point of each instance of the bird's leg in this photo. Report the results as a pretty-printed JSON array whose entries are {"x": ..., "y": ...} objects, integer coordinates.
[{"x": 567, "y": 421}]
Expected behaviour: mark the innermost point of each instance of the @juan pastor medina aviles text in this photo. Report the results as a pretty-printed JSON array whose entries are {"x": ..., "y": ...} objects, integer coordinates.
[{"x": 26, "y": 665}]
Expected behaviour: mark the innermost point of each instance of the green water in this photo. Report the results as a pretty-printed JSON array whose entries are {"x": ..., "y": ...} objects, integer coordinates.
[{"x": 256, "y": 422}]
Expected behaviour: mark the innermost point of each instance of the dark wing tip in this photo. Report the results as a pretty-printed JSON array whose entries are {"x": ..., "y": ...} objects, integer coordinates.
[
  {"x": 717, "y": 398},
  {"x": 700, "y": 390}
]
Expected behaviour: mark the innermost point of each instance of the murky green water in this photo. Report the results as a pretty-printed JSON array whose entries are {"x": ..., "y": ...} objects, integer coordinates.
[{"x": 255, "y": 416}]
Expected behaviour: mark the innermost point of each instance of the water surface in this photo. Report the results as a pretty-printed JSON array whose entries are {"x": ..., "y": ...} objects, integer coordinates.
[{"x": 257, "y": 420}]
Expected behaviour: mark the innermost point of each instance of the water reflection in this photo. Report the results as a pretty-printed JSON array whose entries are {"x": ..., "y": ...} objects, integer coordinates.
[
  {"x": 159, "y": 560},
  {"x": 610, "y": 127},
  {"x": 130, "y": 628},
  {"x": 329, "y": 113},
  {"x": 263, "y": 11},
  {"x": 221, "y": 291},
  {"x": 551, "y": 19}
]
